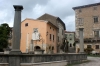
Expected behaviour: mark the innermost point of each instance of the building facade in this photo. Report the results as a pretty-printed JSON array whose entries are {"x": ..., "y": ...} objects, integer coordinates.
[
  {"x": 38, "y": 34},
  {"x": 88, "y": 17},
  {"x": 70, "y": 37},
  {"x": 61, "y": 28}
]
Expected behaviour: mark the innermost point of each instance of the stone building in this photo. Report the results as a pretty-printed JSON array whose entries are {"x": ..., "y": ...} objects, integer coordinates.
[
  {"x": 88, "y": 17},
  {"x": 61, "y": 27},
  {"x": 70, "y": 36}
]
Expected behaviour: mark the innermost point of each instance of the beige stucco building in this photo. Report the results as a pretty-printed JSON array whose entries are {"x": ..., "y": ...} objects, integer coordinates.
[
  {"x": 58, "y": 23},
  {"x": 47, "y": 35},
  {"x": 88, "y": 17},
  {"x": 50, "y": 30}
]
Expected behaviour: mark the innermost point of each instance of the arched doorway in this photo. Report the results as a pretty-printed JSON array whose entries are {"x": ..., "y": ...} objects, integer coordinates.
[{"x": 37, "y": 48}]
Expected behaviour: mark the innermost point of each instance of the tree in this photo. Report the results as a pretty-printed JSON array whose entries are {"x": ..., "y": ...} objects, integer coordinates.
[
  {"x": 74, "y": 44},
  {"x": 64, "y": 46},
  {"x": 88, "y": 50},
  {"x": 4, "y": 35}
]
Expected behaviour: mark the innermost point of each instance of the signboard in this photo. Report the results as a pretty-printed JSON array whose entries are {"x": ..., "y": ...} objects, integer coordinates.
[{"x": 35, "y": 34}]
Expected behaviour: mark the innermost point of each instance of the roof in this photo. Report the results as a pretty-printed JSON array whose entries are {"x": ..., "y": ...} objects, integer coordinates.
[
  {"x": 52, "y": 19},
  {"x": 84, "y": 6},
  {"x": 34, "y": 20},
  {"x": 40, "y": 21}
]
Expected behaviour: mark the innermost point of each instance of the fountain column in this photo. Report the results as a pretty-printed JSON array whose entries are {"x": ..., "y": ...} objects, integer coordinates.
[
  {"x": 17, "y": 30},
  {"x": 81, "y": 40}
]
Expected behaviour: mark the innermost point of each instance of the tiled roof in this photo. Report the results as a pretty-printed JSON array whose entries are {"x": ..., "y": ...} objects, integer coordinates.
[
  {"x": 84, "y": 6},
  {"x": 51, "y": 19}
]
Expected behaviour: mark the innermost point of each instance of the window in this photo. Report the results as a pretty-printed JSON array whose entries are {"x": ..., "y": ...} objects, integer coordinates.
[
  {"x": 50, "y": 27},
  {"x": 58, "y": 38},
  {"x": 62, "y": 31},
  {"x": 96, "y": 46},
  {"x": 70, "y": 34},
  {"x": 80, "y": 21},
  {"x": 53, "y": 37},
  {"x": 50, "y": 36},
  {"x": 66, "y": 36},
  {"x": 96, "y": 34},
  {"x": 95, "y": 19},
  {"x": 70, "y": 38},
  {"x": 70, "y": 45},
  {"x": 26, "y": 24},
  {"x": 80, "y": 10},
  {"x": 89, "y": 46},
  {"x": 95, "y": 8}
]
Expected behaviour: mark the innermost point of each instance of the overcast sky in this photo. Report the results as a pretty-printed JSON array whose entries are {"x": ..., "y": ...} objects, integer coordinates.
[{"x": 35, "y": 8}]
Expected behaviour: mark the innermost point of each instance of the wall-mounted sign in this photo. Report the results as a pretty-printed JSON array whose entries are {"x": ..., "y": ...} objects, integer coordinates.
[{"x": 35, "y": 34}]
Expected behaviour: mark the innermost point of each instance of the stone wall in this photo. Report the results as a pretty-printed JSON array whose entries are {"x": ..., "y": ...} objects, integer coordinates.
[
  {"x": 54, "y": 63},
  {"x": 43, "y": 58},
  {"x": 87, "y": 14}
]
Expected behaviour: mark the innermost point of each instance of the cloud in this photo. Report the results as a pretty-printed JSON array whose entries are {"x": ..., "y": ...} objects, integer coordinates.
[
  {"x": 70, "y": 23},
  {"x": 35, "y": 8}
]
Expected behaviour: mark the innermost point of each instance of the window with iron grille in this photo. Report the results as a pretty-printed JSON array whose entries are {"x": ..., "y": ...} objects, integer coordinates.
[
  {"x": 53, "y": 37},
  {"x": 89, "y": 46},
  {"x": 95, "y": 19},
  {"x": 96, "y": 34},
  {"x": 50, "y": 36},
  {"x": 80, "y": 21},
  {"x": 95, "y": 8},
  {"x": 96, "y": 46}
]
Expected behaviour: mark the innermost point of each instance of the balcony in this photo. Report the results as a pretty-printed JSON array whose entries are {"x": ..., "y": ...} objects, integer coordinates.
[{"x": 89, "y": 40}]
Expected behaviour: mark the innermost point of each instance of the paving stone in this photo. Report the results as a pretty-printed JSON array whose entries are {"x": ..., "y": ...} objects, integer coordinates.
[{"x": 94, "y": 61}]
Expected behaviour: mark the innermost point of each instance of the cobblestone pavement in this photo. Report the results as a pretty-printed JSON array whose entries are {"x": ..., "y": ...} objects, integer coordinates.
[{"x": 94, "y": 61}]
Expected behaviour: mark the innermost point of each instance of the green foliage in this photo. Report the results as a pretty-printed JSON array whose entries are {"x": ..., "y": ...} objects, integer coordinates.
[
  {"x": 3, "y": 43},
  {"x": 88, "y": 50},
  {"x": 64, "y": 46},
  {"x": 74, "y": 44},
  {"x": 4, "y": 35},
  {"x": 91, "y": 55}
]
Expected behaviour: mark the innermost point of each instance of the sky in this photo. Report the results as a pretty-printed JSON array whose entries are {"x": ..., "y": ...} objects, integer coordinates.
[{"x": 35, "y": 8}]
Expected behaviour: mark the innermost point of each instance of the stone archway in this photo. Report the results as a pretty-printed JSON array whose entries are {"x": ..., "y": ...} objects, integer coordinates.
[{"x": 37, "y": 47}]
